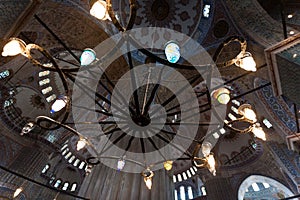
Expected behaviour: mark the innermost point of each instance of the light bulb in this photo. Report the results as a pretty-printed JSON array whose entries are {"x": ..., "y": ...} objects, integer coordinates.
[
  {"x": 121, "y": 164},
  {"x": 148, "y": 174},
  {"x": 59, "y": 104},
  {"x": 259, "y": 133},
  {"x": 211, "y": 164},
  {"x": 250, "y": 114},
  {"x": 222, "y": 95},
  {"x": 211, "y": 161},
  {"x": 148, "y": 182},
  {"x": 99, "y": 10},
  {"x": 17, "y": 192},
  {"x": 247, "y": 112},
  {"x": 14, "y": 47},
  {"x": 80, "y": 144},
  {"x": 246, "y": 62},
  {"x": 27, "y": 128},
  {"x": 206, "y": 148},
  {"x": 87, "y": 57},
  {"x": 168, "y": 165}
]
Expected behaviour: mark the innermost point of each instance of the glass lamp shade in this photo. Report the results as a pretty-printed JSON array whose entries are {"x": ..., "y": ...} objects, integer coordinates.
[
  {"x": 14, "y": 47},
  {"x": 121, "y": 164},
  {"x": 211, "y": 164},
  {"x": 87, "y": 57},
  {"x": 17, "y": 192},
  {"x": 172, "y": 52},
  {"x": 99, "y": 10},
  {"x": 168, "y": 165},
  {"x": 148, "y": 174},
  {"x": 148, "y": 182},
  {"x": 222, "y": 95},
  {"x": 259, "y": 133},
  {"x": 246, "y": 62},
  {"x": 27, "y": 128},
  {"x": 80, "y": 144},
  {"x": 206, "y": 148},
  {"x": 59, "y": 104},
  {"x": 247, "y": 112}
]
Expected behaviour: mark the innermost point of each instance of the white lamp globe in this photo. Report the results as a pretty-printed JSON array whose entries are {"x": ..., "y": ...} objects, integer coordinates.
[{"x": 172, "y": 52}]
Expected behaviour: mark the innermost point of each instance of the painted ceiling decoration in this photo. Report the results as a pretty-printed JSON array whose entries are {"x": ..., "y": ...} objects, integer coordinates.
[{"x": 161, "y": 105}]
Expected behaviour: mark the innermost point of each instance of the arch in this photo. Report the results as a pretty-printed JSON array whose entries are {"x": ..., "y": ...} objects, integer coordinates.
[
  {"x": 65, "y": 186},
  {"x": 46, "y": 168},
  {"x": 223, "y": 158},
  {"x": 73, "y": 187},
  {"x": 261, "y": 179}
]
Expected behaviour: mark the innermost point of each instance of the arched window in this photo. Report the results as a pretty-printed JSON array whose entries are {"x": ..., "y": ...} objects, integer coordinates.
[
  {"x": 82, "y": 164},
  {"x": 51, "y": 98},
  {"x": 189, "y": 173},
  {"x": 203, "y": 191},
  {"x": 51, "y": 179},
  {"x": 57, "y": 183},
  {"x": 216, "y": 135},
  {"x": 266, "y": 185},
  {"x": 236, "y": 102},
  {"x": 74, "y": 186},
  {"x": 174, "y": 178},
  {"x": 190, "y": 192},
  {"x": 44, "y": 82},
  {"x": 193, "y": 171},
  {"x": 65, "y": 146},
  {"x": 175, "y": 195},
  {"x": 184, "y": 176},
  {"x": 222, "y": 131},
  {"x": 68, "y": 155},
  {"x": 45, "y": 168},
  {"x": 65, "y": 186},
  {"x": 182, "y": 193},
  {"x": 260, "y": 187},
  {"x": 255, "y": 187},
  {"x": 65, "y": 151},
  {"x": 47, "y": 90},
  {"x": 179, "y": 177},
  {"x": 195, "y": 168},
  {"x": 44, "y": 73},
  {"x": 231, "y": 116},
  {"x": 76, "y": 162},
  {"x": 72, "y": 159}
]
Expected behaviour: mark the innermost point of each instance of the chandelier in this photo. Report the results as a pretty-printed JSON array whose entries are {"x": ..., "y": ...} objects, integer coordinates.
[{"x": 142, "y": 109}]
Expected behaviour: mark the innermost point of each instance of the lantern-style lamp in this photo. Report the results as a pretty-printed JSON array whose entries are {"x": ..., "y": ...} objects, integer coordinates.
[
  {"x": 259, "y": 132},
  {"x": 87, "y": 57},
  {"x": 172, "y": 51},
  {"x": 27, "y": 128},
  {"x": 168, "y": 165},
  {"x": 211, "y": 164},
  {"x": 59, "y": 104},
  {"x": 246, "y": 62},
  {"x": 222, "y": 95},
  {"x": 206, "y": 148},
  {"x": 148, "y": 174},
  {"x": 14, "y": 47},
  {"x": 121, "y": 164},
  {"x": 246, "y": 111},
  {"x": 99, "y": 10},
  {"x": 80, "y": 144},
  {"x": 17, "y": 192}
]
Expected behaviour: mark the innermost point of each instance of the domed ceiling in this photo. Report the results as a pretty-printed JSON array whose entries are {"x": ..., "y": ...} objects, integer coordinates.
[{"x": 65, "y": 28}]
